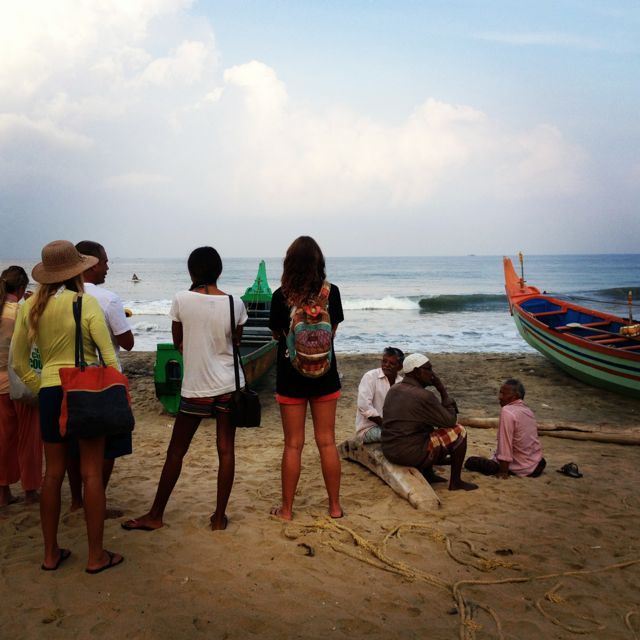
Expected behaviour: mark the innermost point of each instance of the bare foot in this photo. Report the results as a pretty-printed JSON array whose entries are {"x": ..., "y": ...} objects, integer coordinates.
[
  {"x": 109, "y": 560},
  {"x": 336, "y": 513},
  {"x": 461, "y": 484},
  {"x": 279, "y": 512},
  {"x": 218, "y": 524},
  {"x": 143, "y": 523},
  {"x": 76, "y": 506},
  {"x": 432, "y": 477}
]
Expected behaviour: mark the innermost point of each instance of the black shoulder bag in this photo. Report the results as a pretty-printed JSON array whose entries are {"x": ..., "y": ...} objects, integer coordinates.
[{"x": 245, "y": 403}]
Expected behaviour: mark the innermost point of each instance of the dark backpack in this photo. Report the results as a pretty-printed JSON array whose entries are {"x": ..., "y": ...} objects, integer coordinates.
[{"x": 310, "y": 335}]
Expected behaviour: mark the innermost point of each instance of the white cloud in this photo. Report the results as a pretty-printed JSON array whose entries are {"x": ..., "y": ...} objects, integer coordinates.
[
  {"x": 134, "y": 180},
  {"x": 186, "y": 65},
  {"x": 145, "y": 114}
]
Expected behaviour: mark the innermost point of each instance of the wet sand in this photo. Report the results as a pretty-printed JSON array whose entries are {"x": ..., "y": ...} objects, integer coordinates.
[{"x": 350, "y": 578}]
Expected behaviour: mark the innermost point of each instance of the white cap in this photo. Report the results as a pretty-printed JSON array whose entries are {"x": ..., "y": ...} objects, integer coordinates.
[{"x": 414, "y": 361}]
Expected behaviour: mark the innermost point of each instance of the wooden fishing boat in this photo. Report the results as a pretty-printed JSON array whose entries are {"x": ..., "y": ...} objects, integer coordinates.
[
  {"x": 257, "y": 349},
  {"x": 596, "y": 347}
]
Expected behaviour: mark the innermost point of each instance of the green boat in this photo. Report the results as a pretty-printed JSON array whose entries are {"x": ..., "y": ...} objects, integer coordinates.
[{"x": 257, "y": 349}]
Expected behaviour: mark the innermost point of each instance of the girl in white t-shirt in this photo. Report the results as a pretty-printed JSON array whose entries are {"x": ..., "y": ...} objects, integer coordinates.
[{"x": 202, "y": 331}]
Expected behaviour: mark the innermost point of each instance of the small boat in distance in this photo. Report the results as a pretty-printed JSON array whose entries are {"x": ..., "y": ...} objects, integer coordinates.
[
  {"x": 596, "y": 347},
  {"x": 257, "y": 348},
  {"x": 134, "y": 278}
]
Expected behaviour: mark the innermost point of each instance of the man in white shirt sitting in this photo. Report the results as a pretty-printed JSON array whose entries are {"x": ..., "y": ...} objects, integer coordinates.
[{"x": 371, "y": 394}]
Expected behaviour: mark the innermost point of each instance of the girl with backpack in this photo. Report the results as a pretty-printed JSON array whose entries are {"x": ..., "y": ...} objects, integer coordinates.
[{"x": 305, "y": 313}]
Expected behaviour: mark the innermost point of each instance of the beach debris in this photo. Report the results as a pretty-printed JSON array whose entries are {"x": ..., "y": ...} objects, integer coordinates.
[
  {"x": 53, "y": 616},
  {"x": 310, "y": 551},
  {"x": 504, "y": 552}
]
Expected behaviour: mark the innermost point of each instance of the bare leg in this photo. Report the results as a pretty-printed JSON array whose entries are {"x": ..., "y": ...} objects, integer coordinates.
[
  {"x": 457, "y": 458},
  {"x": 75, "y": 482},
  {"x": 293, "y": 417},
  {"x": 184, "y": 429},
  {"x": 91, "y": 461},
  {"x": 225, "y": 443},
  {"x": 55, "y": 458},
  {"x": 324, "y": 428}
]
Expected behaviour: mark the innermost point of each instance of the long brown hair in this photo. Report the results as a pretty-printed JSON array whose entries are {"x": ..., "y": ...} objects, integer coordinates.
[
  {"x": 41, "y": 298},
  {"x": 303, "y": 271},
  {"x": 11, "y": 279}
]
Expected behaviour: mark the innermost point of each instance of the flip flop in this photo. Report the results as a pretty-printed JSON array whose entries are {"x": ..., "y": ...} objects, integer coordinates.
[
  {"x": 570, "y": 469},
  {"x": 133, "y": 525},
  {"x": 109, "y": 564},
  {"x": 64, "y": 554}
]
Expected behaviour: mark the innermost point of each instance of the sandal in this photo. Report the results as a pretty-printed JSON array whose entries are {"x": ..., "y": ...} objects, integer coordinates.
[{"x": 570, "y": 469}]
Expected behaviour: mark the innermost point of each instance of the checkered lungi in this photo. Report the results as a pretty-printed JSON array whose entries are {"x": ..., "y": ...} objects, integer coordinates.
[{"x": 445, "y": 438}]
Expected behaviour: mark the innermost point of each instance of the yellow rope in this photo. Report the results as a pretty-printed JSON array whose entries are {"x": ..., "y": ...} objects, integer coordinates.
[
  {"x": 552, "y": 596},
  {"x": 468, "y": 626},
  {"x": 627, "y": 622}
]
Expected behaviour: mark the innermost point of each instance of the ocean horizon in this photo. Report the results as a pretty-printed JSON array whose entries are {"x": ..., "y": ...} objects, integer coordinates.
[{"x": 420, "y": 303}]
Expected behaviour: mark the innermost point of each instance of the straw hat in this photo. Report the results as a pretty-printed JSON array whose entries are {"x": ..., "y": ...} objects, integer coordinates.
[
  {"x": 414, "y": 361},
  {"x": 61, "y": 261}
]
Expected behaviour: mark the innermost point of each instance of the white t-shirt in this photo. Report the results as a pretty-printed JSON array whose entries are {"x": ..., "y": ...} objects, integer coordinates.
[
  {"x": 113, "y": 312},
  {"x": 207, "y": 348}
]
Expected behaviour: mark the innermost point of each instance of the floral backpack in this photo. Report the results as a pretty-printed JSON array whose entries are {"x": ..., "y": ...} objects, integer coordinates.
[{"x": 310, "y": 335}]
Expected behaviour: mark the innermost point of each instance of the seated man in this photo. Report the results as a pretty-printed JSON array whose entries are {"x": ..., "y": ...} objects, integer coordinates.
[
  {"x": 420, "y": 430},
  {"x": 519, "y": 452},
  {"x": 371, "y": 394}
]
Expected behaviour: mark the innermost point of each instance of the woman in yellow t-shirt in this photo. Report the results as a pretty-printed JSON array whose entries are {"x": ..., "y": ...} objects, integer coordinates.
[{"x": 47, "y": 319}]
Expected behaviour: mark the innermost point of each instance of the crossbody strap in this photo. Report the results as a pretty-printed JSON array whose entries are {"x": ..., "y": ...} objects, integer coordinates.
[
  {"x": 237, "y": 361},
  {"x": 79, "y": 347}
]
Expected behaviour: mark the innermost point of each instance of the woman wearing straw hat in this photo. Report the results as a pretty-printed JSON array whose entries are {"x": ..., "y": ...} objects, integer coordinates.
[{"x": 47, "y": 319}]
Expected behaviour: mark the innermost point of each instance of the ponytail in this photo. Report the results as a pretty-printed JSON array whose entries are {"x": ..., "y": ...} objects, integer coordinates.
[{"x": 11, "y": 279}]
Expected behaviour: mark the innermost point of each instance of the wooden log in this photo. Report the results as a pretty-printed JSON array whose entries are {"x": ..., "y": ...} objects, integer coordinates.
[
  {"x": 554, "y": 425},
  {"x": 407, "y": 482},
  {"x": 609, "y": 438},
  {"x": 570, "y": 430}
]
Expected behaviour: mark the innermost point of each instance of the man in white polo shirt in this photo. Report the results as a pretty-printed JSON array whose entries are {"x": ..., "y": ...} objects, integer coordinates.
[
  {"x": 122, "y": 337},
  {"x": 373, "y": 390}
]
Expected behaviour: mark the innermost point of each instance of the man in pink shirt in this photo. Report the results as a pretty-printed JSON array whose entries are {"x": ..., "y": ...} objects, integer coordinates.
[{"x": 519, "y": 452}]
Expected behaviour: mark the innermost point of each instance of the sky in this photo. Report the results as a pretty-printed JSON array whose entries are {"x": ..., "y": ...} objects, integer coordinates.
[{"x": 400, "y": 127}]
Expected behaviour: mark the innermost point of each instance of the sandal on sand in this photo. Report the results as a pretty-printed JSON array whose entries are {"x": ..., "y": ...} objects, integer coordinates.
[
  {"x": 112, "y": 563},
  {"x": 570, "y": 469},
  {"x": 64, "y": 554},
  {"x": 134, "y": 525}
]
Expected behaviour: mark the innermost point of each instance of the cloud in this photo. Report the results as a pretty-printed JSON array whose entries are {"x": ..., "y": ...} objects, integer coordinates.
[{"x": 128, "y": 101}]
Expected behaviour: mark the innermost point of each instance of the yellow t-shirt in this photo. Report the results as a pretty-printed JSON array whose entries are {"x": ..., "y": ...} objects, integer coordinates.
[
  {"x": 7, "y": 321},
  {"x": 56, "y": 338}
]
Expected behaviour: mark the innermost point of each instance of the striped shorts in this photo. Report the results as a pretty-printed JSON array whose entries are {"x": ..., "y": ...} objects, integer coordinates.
[{"x": 206, "y": 407}]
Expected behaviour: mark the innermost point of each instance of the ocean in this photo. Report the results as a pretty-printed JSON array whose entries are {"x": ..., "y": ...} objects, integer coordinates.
[{"x": 428, "y": 304}]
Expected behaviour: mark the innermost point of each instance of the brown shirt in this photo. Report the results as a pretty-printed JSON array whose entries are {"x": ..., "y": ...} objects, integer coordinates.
[{"x": 410, "y": 414}]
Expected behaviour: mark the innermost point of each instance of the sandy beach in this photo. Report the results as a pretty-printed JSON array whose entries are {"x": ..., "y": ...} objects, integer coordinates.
[{"x": 553, "y": 557}]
